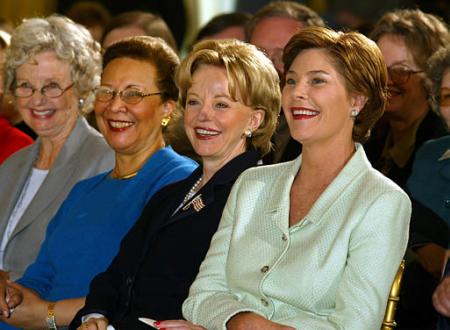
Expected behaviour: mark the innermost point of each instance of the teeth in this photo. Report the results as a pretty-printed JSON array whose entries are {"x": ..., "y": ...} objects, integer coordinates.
[
  {"x": 42, "y": 112},
  {"x": 119, "y": 124},
  {"x": 305, "y": 112},
  {"x": 205, "y": 132}
]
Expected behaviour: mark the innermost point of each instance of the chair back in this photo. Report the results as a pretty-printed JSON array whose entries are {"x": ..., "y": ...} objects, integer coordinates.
[{"x": 394, "y": 297}]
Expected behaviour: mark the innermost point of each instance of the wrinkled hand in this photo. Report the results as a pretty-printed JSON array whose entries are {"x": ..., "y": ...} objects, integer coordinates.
[
  {"x": 441, "y": 297},
  {"x": 4, "y": 278},
  {"x": 100, "y": 323},
  {"x": 178, "y": 325},
  {"x": 252, "y": 321},
  {"x": 27, "y": 314}
]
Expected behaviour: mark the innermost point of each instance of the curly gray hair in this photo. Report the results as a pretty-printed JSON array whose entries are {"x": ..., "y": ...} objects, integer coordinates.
[{"x": 71, "y": 42}]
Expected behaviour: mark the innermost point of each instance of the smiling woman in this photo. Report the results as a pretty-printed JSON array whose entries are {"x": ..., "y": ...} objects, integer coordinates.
[
  {"x": 51, "y": 82},
  {"x": 86, "y": 232},
  {"x": 293, "y": 244}
]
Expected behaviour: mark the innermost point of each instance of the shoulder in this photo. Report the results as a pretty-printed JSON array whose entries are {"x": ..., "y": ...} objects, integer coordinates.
[
  {"x": 434, "y": 147},
  {"x": 269, "y": 172}
]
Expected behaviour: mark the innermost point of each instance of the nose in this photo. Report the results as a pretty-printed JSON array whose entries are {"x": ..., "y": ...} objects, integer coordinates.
[
  {"x": 204, "y": 112},
  {"x": 37, "y": 98},
  {"x": 116, "y": 104}
]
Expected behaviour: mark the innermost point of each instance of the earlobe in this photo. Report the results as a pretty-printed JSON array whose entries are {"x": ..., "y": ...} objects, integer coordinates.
[{"x": 169, "y": 107}]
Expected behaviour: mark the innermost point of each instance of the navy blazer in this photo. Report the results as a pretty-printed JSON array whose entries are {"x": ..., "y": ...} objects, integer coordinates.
[{"x": 161, "y": 255}]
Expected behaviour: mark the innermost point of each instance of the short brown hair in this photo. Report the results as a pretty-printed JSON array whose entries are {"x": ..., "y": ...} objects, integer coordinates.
[
  {"x": 152, "y": 50},
  {"x": 251, "y": 75},
  {"x": 358, "y": 60},
  {"x": 423, "y": 33},
  {"x": 287, "y": 9}
]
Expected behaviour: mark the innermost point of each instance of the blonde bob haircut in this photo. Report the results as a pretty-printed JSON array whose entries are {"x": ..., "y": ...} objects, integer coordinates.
[
  {"x": 71, "y": 42},
  {"x": 359, "y": 62},
  {"x": 252, "y": 80}
]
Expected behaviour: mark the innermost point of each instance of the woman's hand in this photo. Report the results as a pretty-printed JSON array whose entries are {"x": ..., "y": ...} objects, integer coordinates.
[
  {"x": 100, "y": 323},
  {"x": 252, "y": 321},
  {"x": 441, "y": 297},
  {"x": 177, "y": 325},
  {"x": 4, "y": 278}
]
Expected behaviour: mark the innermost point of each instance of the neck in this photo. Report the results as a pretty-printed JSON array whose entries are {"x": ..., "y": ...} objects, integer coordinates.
[
  {"x": 325, "y": 162},
  {"x": 127, "y": 165},
  {"x": 49, "y": 150},
  {"x": 211, "y": 166}
]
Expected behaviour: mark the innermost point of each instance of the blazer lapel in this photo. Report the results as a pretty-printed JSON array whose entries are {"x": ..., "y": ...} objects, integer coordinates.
[{"x": 58, "y": 177}]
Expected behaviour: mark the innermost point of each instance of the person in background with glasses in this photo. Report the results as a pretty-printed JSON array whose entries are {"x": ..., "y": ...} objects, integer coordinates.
[
  {"x": 51, "y": 67},
  {"x": 429, "y": 182},
  {"x": 134, "y": 105},
  {"x": 407, "y": 38}
]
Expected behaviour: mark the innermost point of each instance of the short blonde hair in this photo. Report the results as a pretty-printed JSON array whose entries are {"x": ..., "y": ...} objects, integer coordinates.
[
  {"x": 358, "y": 60},
  {"x": 71, "y": 42},
  {"x": 252, "y": 80}
]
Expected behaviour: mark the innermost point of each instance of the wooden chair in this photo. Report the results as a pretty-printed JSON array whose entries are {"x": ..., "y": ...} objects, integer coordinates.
[{"x": 394, "y": 297}]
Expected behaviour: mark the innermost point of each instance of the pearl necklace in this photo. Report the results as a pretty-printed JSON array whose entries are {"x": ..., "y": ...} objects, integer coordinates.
[{"x": 192, "y": 191}]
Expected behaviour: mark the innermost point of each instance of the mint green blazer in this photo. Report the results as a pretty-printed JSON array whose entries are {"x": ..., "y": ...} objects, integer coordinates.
[{"x": 333, "y": 270}]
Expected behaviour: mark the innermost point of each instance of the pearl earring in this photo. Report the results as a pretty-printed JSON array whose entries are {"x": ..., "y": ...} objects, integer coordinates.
[
  {"x": 80, "y": 103},
  {"x": 354, "y": 113},
  {"x": 248, "y": 133}
]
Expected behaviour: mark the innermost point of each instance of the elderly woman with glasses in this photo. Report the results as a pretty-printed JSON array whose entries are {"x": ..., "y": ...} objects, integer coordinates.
[
  {"x": 134, "y": 103},
  {"x": 51, "y": 67}
]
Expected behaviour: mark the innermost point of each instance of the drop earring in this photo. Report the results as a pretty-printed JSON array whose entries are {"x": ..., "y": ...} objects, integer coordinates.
[
  {"x": 80, "y": 103},
  {"x": 165, "y": 121}
]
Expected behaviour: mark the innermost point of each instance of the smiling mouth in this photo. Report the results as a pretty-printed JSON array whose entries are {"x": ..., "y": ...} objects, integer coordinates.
[
  {"x": 42, "y": 114},
  {"x": 119, "y": 125},
  {"x": 204, "y": 133},
  {"x": 302, "y": 113}
]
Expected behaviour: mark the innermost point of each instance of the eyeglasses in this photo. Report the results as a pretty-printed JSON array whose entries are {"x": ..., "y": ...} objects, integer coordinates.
[
  {"x": 129, "y": 95},
  {"x": 52, "y": 90},
  {"x": 444, "y": 98},
  {"x": 400, "y": 75}
]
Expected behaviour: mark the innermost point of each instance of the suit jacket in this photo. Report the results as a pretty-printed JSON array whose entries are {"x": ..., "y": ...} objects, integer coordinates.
[
  {"x": 332, "y": 270},
  {"x": 159, "y": 258},
  {"x": 84, "y": 154}
]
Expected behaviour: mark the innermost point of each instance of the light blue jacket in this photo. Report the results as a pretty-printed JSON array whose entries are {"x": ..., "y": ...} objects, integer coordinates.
[{"x": 333, "y": 270}]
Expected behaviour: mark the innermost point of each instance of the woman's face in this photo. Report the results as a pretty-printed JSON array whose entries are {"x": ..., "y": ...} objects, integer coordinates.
[
  {"x": 214, "y": 122},
  {"x": 49, "y": 117},
  {"x": 407, "y": 95},
  {"x": 315, "y": 101},
  {"x": 445, "y": 97},
  {"x": 131, "y": 128}
]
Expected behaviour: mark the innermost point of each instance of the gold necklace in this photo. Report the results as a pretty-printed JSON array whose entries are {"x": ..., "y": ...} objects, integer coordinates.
[{"x": 124, "y": 177}]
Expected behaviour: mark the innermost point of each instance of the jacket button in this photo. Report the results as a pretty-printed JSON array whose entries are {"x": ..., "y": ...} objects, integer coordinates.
[
  {"x": 284, "y": 237},
  {"x": 264, "y": 269},
  {"x": 264, "y": 302}
]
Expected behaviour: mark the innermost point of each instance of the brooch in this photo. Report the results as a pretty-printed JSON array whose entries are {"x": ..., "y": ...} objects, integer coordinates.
[{"x": 196, "y": 203}]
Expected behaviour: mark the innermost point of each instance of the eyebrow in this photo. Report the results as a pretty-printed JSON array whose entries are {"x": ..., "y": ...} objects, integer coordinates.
[{"x": 311, "y": 72}]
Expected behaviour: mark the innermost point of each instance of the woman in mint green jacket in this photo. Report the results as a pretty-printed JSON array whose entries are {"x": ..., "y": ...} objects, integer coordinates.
[{"x": 313, "y": 243}]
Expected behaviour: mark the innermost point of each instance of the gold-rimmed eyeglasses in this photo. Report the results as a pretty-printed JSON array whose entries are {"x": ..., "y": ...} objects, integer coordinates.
[
  {"x": 401, "y": 75},
  {"x": 130, "y": 95},
  {"x": 52, "y": 90}
]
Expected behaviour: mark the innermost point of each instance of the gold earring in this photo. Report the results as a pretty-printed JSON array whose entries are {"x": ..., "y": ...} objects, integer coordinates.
[{"x": 165, "y": 121}]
